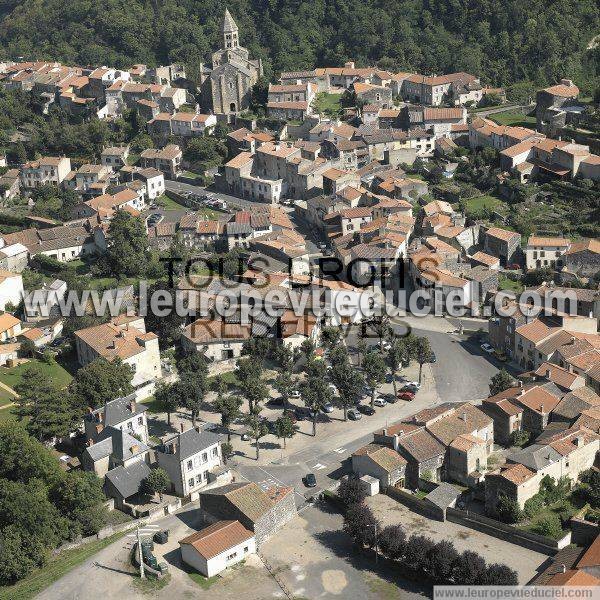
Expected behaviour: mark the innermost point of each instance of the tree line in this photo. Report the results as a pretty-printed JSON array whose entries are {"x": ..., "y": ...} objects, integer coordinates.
[{"x": 438, "y": 562}]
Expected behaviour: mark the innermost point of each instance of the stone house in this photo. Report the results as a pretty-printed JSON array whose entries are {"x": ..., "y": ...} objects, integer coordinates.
[
  {"x": 381, "y": 462},
  {"x": 192, "y": 460},
  {"x": 507, "y": 415},
  {"x": 583, "y": 258},
  {"x": 117, "y": 339},
  {"x": 545, "y": 252},
  {"x": 216, "y": 339},
  {"x": 467, "y": 459},
  {"x": 13, "y": 257},
  {"x": 167, "y": 159},
  {"x": 10, "y": 327},
  {"x": 262, "y": 511},
  {"x": 553, "y": 98},
  {"x": 46, "y": 170},
  {"x": 373, "y": 94},
  {"x": 10, "y": 184},
  {"x": 503, "y": 244},
  {"x": 115, "y": 157}
]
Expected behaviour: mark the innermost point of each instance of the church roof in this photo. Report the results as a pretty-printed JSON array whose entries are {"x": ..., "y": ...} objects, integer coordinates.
[{"x": 228, "y": 23}]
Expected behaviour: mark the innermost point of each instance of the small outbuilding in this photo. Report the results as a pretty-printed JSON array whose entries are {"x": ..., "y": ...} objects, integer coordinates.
[{"x": 218, "y": 546}]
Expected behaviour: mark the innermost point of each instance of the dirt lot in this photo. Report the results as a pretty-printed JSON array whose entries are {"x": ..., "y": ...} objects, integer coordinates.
[{"x": 524, "y": 561}]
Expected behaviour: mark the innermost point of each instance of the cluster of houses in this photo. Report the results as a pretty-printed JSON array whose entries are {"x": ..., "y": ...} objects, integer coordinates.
[
  {"x": 239, "y": 516},
  {"x": 454, "y": 442}
]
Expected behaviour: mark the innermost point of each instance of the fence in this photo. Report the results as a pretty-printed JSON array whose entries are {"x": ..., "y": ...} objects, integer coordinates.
[
  {"x": 423, "y": 507},
  {"x": 508, "y": 533}
]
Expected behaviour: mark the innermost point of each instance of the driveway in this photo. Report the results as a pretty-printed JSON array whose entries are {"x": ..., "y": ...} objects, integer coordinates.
[{"x": 525, "y": 562}]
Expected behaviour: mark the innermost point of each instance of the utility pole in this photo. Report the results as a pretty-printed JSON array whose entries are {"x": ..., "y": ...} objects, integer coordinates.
[{"x": 141, "y": 556}]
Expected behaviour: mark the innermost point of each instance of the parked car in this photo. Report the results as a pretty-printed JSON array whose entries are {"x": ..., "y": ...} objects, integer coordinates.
[
  {"x": 487, "y": 348},
  {"x": 327, "y": 408},
  {"x": 365, "y": 409},
  {"x": 295, "y": 394},
  {"x": 354, "y": 415},
  {"x": 383, "y": 345},
  {"x": 409, "y": 388},
  {"x": 303, "y": 413},
  {"x": 310, "y": 480},
  {"x": 333, "y": 389},
  {"x": 408, "y": 396},
  {"x": 432, "y": 358},
  {"x": 390, "y": 398},
  {"x": 380, "y": 401}
]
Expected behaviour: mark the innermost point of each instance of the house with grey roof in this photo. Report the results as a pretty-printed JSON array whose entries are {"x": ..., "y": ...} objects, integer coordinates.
[
  {"x": 124, "y": 483},
  {"x": 113, "y": 448},
  {"x": 192, "y": 459},
  {"x": 124, "y": 413}
]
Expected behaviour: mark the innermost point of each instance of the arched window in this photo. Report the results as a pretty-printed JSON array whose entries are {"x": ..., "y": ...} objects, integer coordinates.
[{"x": 232, "y": 107}]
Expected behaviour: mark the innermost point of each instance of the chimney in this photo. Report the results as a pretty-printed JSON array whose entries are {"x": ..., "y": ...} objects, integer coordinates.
[
  {"x": 349, "y": 64},
  {"x": 563, "y": 568},
  {"x": 90, "y": 442},
  {"x": 579, "y": 441},
  {"x": 132, "y": 406},
  {"x": 520, "y": 383},
  {"x": 198, "y": 428},
  {"x": 464, "y": 417},
  {"x": 548, "y": 373},
  {"x": 181, "y": 427},
  {"x": 384, "y": 432},
  {"x": 173, "y": 447}
]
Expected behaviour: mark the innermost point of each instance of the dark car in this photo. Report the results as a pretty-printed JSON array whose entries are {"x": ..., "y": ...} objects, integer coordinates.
[
  {"x": 432, "y": 357},
  {"x": 390, "y": 398},
  {"x": 310, "y": 480},
  {"x": 365, "y": 409}
]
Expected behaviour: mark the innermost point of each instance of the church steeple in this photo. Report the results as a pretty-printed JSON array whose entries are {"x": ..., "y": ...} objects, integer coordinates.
[{"x": 230, "y": 31}]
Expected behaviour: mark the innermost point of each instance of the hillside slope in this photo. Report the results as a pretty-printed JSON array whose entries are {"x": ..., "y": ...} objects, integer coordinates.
[{"x": 503, "y": 40}]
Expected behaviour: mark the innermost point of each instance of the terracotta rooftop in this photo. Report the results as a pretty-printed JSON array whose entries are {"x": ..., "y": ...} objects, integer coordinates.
[{"x": 218, "y": 538}]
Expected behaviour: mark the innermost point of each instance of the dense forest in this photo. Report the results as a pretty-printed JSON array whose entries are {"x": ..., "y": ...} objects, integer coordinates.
[{"x": 506, "y": 41}]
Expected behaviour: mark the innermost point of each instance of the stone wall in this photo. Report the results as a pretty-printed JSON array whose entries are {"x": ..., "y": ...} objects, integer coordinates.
[
  {"x": 275, "y": 519},
  {"x": 583, "y": 532},
  {"x": 416, "y": 504},
  {"x": 508, "y": 533}
]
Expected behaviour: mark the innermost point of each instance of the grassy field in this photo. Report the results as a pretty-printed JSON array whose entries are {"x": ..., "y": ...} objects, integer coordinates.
[
  {"x": 516, "y": 119},
  {"x": 57, "y": 567},
  {"x": 5, "y": 397},
  {"x": 328, "y": 104},
  {"x": 14, "y": 375},
  {"x": 477, "y": 204},
  {"x": 168, "y": 203}
]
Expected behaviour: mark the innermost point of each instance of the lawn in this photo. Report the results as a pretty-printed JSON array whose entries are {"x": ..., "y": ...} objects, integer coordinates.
[
  {"x": 328, "y": 104},
  {"x": 57, "y": 567},
  {"x": 479, "y": 203},
  {"x": 204, "y": 582},
  {"x": 514, "y": 118},
  {"x": 54, "y": 372},
  {"x": 168, "y": 203},
  {"x": 229, "y": 378},
  {"x": 7, "y": 414},
  {"x": 508, "y": 284},
  {"x": 5, "y": 397}
]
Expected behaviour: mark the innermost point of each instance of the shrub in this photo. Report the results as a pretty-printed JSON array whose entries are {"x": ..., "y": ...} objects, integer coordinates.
[
  {"x": 392, "y": 541},
  {"x": 351, "y": 491},
  {"x": 508, "y": 510},
  {"x": 416, "y": 552},
  {"x": 360, "y": 524},
  {"x": 497, "y": 574},
  {"x": 441, "y": 560},
  {"x": 534, "y": 505},
  {"x": 469, "y": 568},
  {"x": 550, "y": 526},
  {"x": 519, "y": 438}
]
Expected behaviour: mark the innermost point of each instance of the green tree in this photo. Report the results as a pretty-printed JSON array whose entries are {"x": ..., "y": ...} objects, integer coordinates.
[
  {"x": 249, "y": 374},
  {"x": 100, "y": 381},
  {"x": 508, "y": 510},
  {"x": 257, "y": 429},
  {"x": 422, "y": 353},
  {"x": 229, "y": 408},
  {"x": 285, "y": 385},
  {"x": 157, "y": 482},
  {"x": 348, "y": 381},
  {"x": 397, "y": 355},
  {"x": 315, "y": 393},
  {"x": 127, "y": 253},
  {"x": 500, "y": 382},
  {"x": 331, "y": 337},
  {"x": 374, "y": 367},
  {"x": 191, "y": 389},
  {"x": 285, "y": 429},
  {"x": 166, "y": 394}
]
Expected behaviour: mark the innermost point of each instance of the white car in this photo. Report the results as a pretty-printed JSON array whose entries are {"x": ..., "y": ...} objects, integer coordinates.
[
  {"x": 384, "y": 345},
  {"x": 333, "y": 389},
  {"x": 487, "y": 348},
  {"x": 414, "y": 384},
  {"x": 379, "y": 402},
  {"x": 295, "y": 394}
]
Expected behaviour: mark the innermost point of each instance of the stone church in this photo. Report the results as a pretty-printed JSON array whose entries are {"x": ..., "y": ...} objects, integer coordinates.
[{"x": 227, "y": 85}]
